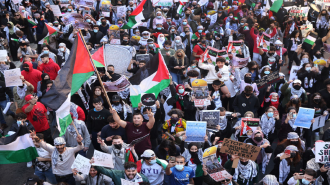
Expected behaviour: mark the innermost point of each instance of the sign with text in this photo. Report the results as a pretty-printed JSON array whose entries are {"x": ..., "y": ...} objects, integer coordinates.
[
  {"x": 267, "y": 80},
  {"x": 196, "y": 131},
  {"x": 322, "y": 152},
  {"x": 241, "y": 149},
  {"x": 81, "y": 164},
  {"x": 249, "y": 124},
  {"x": 202, "y": 102},
  {"x": 304, "y": 117},
  {"x": 293, "y": 72},
  {"x": 145, "y": 57},
  {"x": 212, "y": 117},
  {"x": 119, "y": 85},
  {"x": 56, "y": 10},
  {"x": 162, "y": 2},
  {"x": 12, "y": 77},
  {"x": 319, "y": 122},
  {"x": 299, "y": 11},
  {"x": 102, "y": 159}
]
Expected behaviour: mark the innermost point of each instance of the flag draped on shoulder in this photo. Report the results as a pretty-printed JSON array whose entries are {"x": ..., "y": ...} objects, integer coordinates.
[
  {"x": 17, "y": 148},
  {"x": 98, "y": 57},
  {"x": 151, "y": 78},
  {"x": 46, "y": 32},
  {"x": 76, "y": 70},
  {"x": 136, "y": 17}
]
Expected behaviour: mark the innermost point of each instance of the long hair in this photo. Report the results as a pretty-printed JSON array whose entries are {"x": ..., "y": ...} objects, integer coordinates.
[
  {"x": 326, "y": 15},
  {"x": 177, "y": 58},
  {"x": 302, "y": 69},
  {"x": 290, "y": 104},
  {"x": 286, "y": 142},
  {"x": 322, "y": 103},
  {"x": 295, "y": 160},
  {"x": 167, "y": 144},
  {"x": 251, "y": 64},
  {"x": 293, "y": 34}
]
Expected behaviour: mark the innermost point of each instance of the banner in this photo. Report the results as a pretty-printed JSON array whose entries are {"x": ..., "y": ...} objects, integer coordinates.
[
  {"x": 304, "y": 117},
  {"x": 264, "y": 41},
  {"x": 234, "y": 46},
  {"x": 267, "y": 80},
  {"x": 202, "y": 102},
  {"x": 322, "y": 152},
  {"x": 299, "y": 11},
  {"x": 199, "y": 89},
  {"x": 212, "y": 117},
  {"x": 325, "y": 2},
  {"x": 223, "y": 53},
  {"x": 233, "y": 147},
  {"x": 119, "y": 85},
  {"x": 195, "y": 131},
  {"x": 293, "y": 72},
  {"x": 240, "y": 62},
  {"x": 84, "y": 3},
  {"x": 249, "y": 124},
  {"x": 162, "y": 2}
]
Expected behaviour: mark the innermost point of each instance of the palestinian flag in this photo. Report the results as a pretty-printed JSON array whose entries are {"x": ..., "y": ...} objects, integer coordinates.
[
  {"x": 31, "y": 21},
  {"x": 98, "y": 57},
  {"x": 152, "y": 78},
  {"x": 276, "y": 5},
  {"x": 16, "y": 40},
  {"x": 72, "y": 75},
  {"x": 180, "y": 8},
  {"x": 46, "y": 32},
  {"x": 309, "y": 41},
  {"x": 244, "y": 129},
  {"x": 17, "y": 148},
  {"x": 136, "y": 17},
  {"x": 129, "y": 155}
]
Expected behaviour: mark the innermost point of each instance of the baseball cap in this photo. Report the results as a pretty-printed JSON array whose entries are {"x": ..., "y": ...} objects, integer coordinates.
[
  {"x": 148, "y": 153},
  {"x": 28, "y": 97}
]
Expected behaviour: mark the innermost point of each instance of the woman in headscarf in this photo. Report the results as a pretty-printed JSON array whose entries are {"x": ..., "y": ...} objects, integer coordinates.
[
  {"x": 266, "y": 151},
  {"x": 222, "y": 157},
  {"x": 194, "y": 157},
  {"x": 269, "y": 180},
  {"x": 180, "y": 96},
  {"x": 158, "y": 19},
  {"x": 184, "y": 25},
  {"x": 177, "y": 44},
  {"x": 10, "y": 30},
  {"x": 98, "y": 92},
  {"x": 42, "y": 86},
  {"x": 287, "y": 124},
  {"x": 23, "y": 12},
  {"x": 287, "y": 163},
  {"x": 292, "y": 139},
  {"x": 161, "y": 40},
  {"x": 270, "y": 124}
]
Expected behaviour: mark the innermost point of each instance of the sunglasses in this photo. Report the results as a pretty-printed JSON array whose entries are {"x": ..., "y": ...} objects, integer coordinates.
[
  {"x": 226, "y": 180},
  {"x": 61, "y": 157},
  {"x": 16, "y": 15}
]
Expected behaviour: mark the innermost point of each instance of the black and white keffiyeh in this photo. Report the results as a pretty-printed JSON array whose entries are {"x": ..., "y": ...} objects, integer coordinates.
[
  {"x": 55, "y": 154},
  {"x": 223, "y": 123},
  {"x": 137, "y": 178},
  {"x": 245, "y": 172},
  {"x": 267, "y": 125},
  {"x": 21, "y": 92}
]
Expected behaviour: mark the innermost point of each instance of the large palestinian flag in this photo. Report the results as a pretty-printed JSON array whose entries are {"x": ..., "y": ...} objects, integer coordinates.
[
  {"x": 17, "y": 148},
  {"x": 46, "y": 32},
  {"x": 151, "y": 78},
  {"x": 136, "y": 17},
  {"x": 72, "y": 75},
  {"x": 98, "y": 57}
]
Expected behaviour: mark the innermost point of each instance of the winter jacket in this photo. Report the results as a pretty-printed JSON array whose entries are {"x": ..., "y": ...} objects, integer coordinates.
[{"x": 33, "y": 76}]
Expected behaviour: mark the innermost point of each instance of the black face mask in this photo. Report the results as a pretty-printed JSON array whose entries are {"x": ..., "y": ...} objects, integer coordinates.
[
  {"x": 254, "y": 69},
  {"x": 143, "y": 52},
  {"x": 9, "y": 26},
  {"x": 317, "y": 101},
  {"x": 110, "y": 72},
  {"x": 248, "y": 94},
  {"x": 118, "y": 146},
  {"x": 193, "y": 153},
  {"x": 174, "y": 120},
  {"x": 294, "y": 142},
  {"x": 292, "y": 155},
  {"x": 26, "y": 69},
  {"x": 318, "y": 55},
  {"x": 104, "y": 23},
  {"x": 247, "y": 79},
  {"x": 23, "y": 49},
  {"x": 203, "y": 41},
  {"x": 187, "y": 14},
  {"x": 282, "y": 80},
  {"x": 297, "y": 87},
  {"x": 258, "y": 139},
  {"x": 218, "y": 149},
  {"x": 270, "y": 54},
  {"x": 295, "y": 101},
  {"x": 244, "y": 163}
]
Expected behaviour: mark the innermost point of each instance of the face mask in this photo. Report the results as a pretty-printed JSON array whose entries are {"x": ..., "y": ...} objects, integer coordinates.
[
  {"x": 26, "y": 69},
  {"x": 242, "y": 23},
  {"x": 308, "y": 69},
  {"x": 318, "y": 55},
  {"x": 69, "y": 10},
  {"x": 115, "y": 103},
  {"x": 95, "y": 31},
  {"x": 46, "y": 51},
  {"x": 19, "y": 123},
  {"x": 273, "y": 100},
  {"x": 277, "y": 47},
  {"x": 145, "y": 37},
  {"x": 161, "y": 38},
  {"x": 181, "y": 91},
  {"x": 231, "y": 16},
  {"x": 98, "y": 93},
  {"x": 118, "y": 146},
  {"x": 120, "y": 25},
  {"x": 179, "y": 167},
  {"x": 193, "y": 66},
  {"x": 244, "y": 163},
  {"x": 292, "y": 155},
  {"x": 153, "y": 161},
  {"x": 177, "y": 41},
  {"x": 317, "y": 101},
  {"x": 203, "y": 42},
  {"x": 125, "y": 40},
  {"x": 297, "y": 87},
  {"x": 172, "y": 30},
  {"x": 88, "y": 20},
  {"x": 167, "y": 47},
  {"x": 143, "y": 52},
  {"x": 184, "y": 23},
  {"x": 270, "y": 114},
  {"x": 159, "y": 17},
  {"x": 304, "y": 181},
  {"x": 270, "y": 54},
  {"x": 294, "y": 142},
  {"x": 158, "y": 28},
  {"x": 200, "y": 31},
  {"x": 23, "y": 11},
  {"x": 266, "y": 72},
  {"x": 258, "y": 139},
  {"x": 104, "y": 23},
  {"x": 23, "y": 49},
  {"x": 294, "y": 115},
  {"x": 304, "y": 60},
  {"x": 247, "y": 79},
  {"x": 248, "y": 94},
  {"x": 62, "y": 49},
  {"x": 151, "y": 45}
]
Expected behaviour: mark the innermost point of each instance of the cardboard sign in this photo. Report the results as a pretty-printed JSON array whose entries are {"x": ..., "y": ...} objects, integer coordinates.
[
  {"x": 304, "y": 117},
  {"x": 3, "y": 55},
  {"x": 299, "y": 11},
  {"x": 241, "y": 149},
  {"x": 102, "y": 159},
  {"x": 267, "y": 80},
  {"x": 322, "y": 152},
  {"x": 12, "y": 77},
  {"x": 81, "y": 164},
  {"x": 212, "y": 117},
  {"x": 196, "y": 131},
  {"x": 148, "y": 99},
  {"x": 119, "y": 85},
  {"x": 247, "y": 124}
]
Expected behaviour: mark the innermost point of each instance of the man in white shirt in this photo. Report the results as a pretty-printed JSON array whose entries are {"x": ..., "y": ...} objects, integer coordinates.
[{"x": 152, "y": 168}]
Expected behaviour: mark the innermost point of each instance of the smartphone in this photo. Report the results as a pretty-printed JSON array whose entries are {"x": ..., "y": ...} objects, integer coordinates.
[
  {"x": 172, "y": 158},
  {"x": 287, "y": 152},
  {"x": 327, "y": 165}
]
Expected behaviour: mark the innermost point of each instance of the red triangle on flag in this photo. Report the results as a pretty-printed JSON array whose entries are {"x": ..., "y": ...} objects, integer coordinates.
[
  {"x": 162, "y": 72},
  {"x": 83, "y": 63},
  {"x": 50, "y": 29},
  {"x": 98, "y": 56}
]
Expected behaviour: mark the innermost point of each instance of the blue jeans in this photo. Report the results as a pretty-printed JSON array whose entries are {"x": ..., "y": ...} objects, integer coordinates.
[
  {"x": 3, "y": 106},
  {"x": 176, "y": 78},
  {"x": 46, "y": 175}
]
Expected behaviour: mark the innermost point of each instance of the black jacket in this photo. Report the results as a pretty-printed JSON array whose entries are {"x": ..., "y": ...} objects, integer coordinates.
[
  {"x": 14, "y": 127},
  {"x": 5, "y": 90},
  {"x": 242, "y": 104},
  {"x": 96, "y": 37}
]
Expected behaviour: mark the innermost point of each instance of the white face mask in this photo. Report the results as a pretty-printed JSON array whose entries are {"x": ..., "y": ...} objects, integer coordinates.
[
  {"x": 222, "y": 117},
  {"x": 61, "y": 49}
]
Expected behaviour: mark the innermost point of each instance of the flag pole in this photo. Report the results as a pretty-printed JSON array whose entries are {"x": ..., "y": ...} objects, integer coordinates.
[{"x": 97, "y": 72}]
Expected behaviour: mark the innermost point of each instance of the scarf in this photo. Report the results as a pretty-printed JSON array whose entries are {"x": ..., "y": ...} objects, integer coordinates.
[
  {"x": 71, "y": 130},
  {"x": 3, "y": 68},
  {"x": 223, "y": 123},
  {"x": 284, "y": 169},
  {"x": 271, "y": 59},
  {"x": 55, "y": 154},
  {"x": 323, "y": 22},
  {"x": 11, "y": 30},
  {"x": 245, "y": 172},
  {"x": 297, "y": 92},
  {"x": 21, "y": 91},
  {"x": 137, "y": 178},
  {"x": 83, "y": 99},
  {"x": 253, "y": 135},
  {"x": 267, "y": 125},
  {"x": 233, "y": 26}
]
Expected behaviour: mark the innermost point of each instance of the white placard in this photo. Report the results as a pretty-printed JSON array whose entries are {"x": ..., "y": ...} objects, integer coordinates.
[
  {"x": 56, "y": 10},
  {"x": 126, "y": 182},
  {"x": 12, "y": 77},
  {"x": 293, "y": 72},
  {"x": 162, "y": 2},
  {"x": 82, "y": 164},
  {"x": 322, "y": 152},
  {"x": 3, "y": 55},
  {"x": 102, "y": 159},
  {"x": 121, "y": 11},
  {"x": 6, "y": 108},
  {"x": 16, "y": 1},
  {"x": 319, "y": 122}
]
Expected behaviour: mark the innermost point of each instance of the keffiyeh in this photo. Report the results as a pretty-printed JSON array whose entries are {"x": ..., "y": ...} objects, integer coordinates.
[
  {"x": 245, "y": 172},
  {"x": 55, "y": 155},
  {"x": 267, "y": 125}
]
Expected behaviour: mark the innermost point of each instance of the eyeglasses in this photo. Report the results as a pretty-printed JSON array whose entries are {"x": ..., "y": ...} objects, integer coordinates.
[
  {"x": 61, "y": 157},
  {"x": 16, "y": 15}
]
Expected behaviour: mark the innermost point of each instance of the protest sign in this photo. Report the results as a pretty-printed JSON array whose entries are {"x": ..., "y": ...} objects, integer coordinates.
[
  {"x": 264, "y": 41},
  {"x": 3, "y": 55},
  {"x": 304, "y": 117},
  {"x": 81, "y": 25},
  {"x": 202, "y": 102},
  {"x": 119, "y": 85},
  {"x": 319, "y": 122},
  {"x": 123, "y": 57},
  {"x": 326, "y": 47},
  {"x": 240, "y": 62},
  {"x": 81, "y": 164},
  {"x": 195, "y": 131},
  {"x": 145, "y": 57},
  {"x": 293, "y": 72},
  {"x": 84, "y": 3},
  {"x": 126, "y": 182},
  {"x": 212, "y": 53},
  {"x": 148, "y": 99},
  {"x": 12, "y": 77},
  {"x": 162, "y": 2},
  {"x": 115, "y": 41},
  {"x": 267, "y": 80},
  {"x": 56, "y": 10},
  {"x": 212, "y": 117},
  {"x": 199, "y": 89},
  {"x": 102, "y": 159},
  {"x": 65, "y": 2},
  {"x": 223, "y": 53},
  {"x": 305, "y": 29},
  {"x": 249, "y": 124},
  {"x": 299, "y": 11},
  {"x": 71, "y": 18},
  {"x": 234, "y": 46},
  {"x": 15, "y": 1},
  {"x": 241, "y": 149},
  {"x": 121, "y": 11},
  {"x": 135, "y": 141},
  {"x": 322, "y": 154}
]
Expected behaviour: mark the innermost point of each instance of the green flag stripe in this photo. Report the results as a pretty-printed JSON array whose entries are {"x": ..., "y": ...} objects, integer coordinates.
[
  {"x": 98, "y": 64},
  {"x": 310, "y": 42},
  {"x": 18, "y": 156},
  {"x": 64, "y": 122},
  {"x": 131, "y": 22},
  {"x": 78, "y": 79},
  {"x": 276, "y": 5}
]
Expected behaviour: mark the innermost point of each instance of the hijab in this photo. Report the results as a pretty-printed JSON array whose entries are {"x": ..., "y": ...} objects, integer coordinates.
[
  {"x": 253, "y": 135},
  {"x": 11, "y": 30},
  {"x": 43, "y": 82},
  {"x": 194, "y": 155}
]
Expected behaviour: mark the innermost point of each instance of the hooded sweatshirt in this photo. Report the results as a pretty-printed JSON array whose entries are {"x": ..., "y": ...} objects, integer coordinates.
[
  {"x": 33, "y": 76},
  {"x": 51, "y": 68}
]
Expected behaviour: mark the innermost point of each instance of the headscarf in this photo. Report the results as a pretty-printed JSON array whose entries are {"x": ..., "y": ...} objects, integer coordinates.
[
  {"x": 11, "y": 30},
  {"x": 292, "y": 135},
  {"x": 270, "y": 180},
  {"x": 21, "y": 91},
  {"x": 3, "y": 68},
  {"x": 174, "y": 44},
  {"x": 194, "y": 157},
  {"x": 253, "y": 135},
  {"x": 179, "y": 103},
  {"x": 284, "y": 166},
  {"x": 55, "y": 155},
  {"x": 24, "y": 14},
  {"x": 161, "y": 41},
  {"x": 43, "y": 85}
]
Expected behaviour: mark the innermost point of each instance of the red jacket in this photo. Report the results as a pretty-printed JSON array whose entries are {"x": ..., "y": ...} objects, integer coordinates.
[
  {"x": 33, "y": 76},
  {"x": 255, "y": 38},
  {"x": 51, "y": 68},
  {"x": 81, "y": 113}
]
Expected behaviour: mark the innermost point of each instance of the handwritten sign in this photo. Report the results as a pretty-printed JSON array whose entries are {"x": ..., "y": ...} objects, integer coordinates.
[
  {"x": 267, "y": 80},
  {"x": 121, "y": 11},
  {"x": 102, "y": 159},
  {"x": 325, "y": 2},
  {"x": 299, "y": 11},
  {"x": 3, "y": 55},
  {"x": 196, "y": 131},
  {"x": 126, "y": 182},
  {"x": 56, "y": 10},
  {"x": 162, "y": 2},
  {"x": 241, "y": 149},
  {"x": 12, "y": 77},
  {"x": 202, "y": 102},
  {"x": 81, "y": 164},
  {"x": 322, "y": 152}
]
